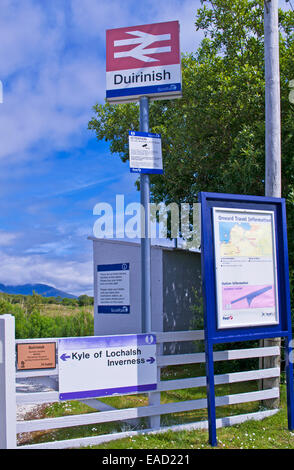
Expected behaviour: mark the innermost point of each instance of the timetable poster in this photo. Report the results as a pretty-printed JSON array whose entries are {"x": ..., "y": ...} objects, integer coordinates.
[{"x": 245, "y": 265}]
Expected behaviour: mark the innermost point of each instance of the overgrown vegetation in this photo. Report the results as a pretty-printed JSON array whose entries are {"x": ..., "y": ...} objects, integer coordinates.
[
  {"x": 29, "y": 301},
  {"x": 269, "y": 433},
  {"x": 34, "y": 320}
]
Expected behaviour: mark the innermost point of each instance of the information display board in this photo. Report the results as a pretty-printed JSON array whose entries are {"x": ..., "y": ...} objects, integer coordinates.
[
  {"x": 245, "y": 275},
  {"x": 113, "y": 287},
  {"x": 245, "y": 266},
  {"x": 32, "y": 356},
  {"x": 145, "y": 153}
]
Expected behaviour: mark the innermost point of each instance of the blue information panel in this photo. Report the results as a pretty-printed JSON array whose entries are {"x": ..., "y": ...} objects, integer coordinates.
[
  {"x": 113, "y": 288},
  {"x": 145, "y": 153},
  {"x": 245, "y": 275}
]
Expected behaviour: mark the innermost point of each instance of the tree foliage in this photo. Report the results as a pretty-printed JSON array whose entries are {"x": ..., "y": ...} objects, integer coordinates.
[{"x": 213, "y": 137}]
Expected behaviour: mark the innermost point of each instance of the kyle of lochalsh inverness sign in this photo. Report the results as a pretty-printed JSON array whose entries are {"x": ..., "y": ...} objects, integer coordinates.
[{"x": 143, "y": 61}]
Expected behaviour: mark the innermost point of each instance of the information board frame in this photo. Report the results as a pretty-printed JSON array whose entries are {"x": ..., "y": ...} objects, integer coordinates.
[
  {"x": 215, "y": 335},
  {"x": 245, "y": 258}
]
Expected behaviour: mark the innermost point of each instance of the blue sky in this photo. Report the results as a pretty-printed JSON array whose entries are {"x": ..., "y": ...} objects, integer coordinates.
[{"x": 52, "y": 169}]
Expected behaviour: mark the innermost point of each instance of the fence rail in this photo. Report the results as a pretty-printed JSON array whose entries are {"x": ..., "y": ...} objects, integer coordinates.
[{"x": 155, "y": 409}]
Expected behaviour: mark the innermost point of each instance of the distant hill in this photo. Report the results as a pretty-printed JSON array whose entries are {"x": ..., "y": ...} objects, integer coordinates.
[{"x": 41, "y": 289}]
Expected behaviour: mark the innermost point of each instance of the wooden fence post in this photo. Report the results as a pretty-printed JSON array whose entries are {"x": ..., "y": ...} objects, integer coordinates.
[{"x": 7, "y": 383}]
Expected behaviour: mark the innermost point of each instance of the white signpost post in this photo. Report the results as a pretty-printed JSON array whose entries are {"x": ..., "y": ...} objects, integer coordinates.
[
  {"x": 144, "y": 62},
  {"x": 98, "y": 366}
]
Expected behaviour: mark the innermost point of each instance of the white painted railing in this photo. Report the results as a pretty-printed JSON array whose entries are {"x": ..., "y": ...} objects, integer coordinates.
[{"x": 153, "y": 411}]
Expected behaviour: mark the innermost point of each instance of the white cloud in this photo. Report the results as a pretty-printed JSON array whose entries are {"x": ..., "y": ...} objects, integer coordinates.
[
  {"x": 25, "y": 35},
  {"x": 93, "y": 17},
  {"x": 55, "y": 109},
  {"x": 53, "y": 71},
  {"x": 49, "y": 85},
  {"x": 7, "y": 238},
  {"x": 70, "y": 276},
  {"x": 53, "y": 65},
  {"x": 57, "y": 248}
]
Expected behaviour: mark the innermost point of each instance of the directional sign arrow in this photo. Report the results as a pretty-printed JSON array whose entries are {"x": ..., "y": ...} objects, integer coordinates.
[
  {"x": 64, "y": 357},
  {"x": 151, "y": 360}
]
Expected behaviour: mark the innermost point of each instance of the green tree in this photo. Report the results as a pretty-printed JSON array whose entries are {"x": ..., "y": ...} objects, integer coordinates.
[
  {"x": 33, "y": 303},
  {"x": 70, "y": 302},
  {"x": 85, "y": 300},
  {"x": 213, "y": 137}
]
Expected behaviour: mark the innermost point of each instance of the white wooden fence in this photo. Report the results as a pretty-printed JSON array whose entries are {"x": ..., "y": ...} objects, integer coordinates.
[{"x": 10, "y": 397}]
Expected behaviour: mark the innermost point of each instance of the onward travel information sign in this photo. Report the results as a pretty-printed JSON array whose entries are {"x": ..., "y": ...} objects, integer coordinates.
[
  {"x": 98, "y": 366},
  {"x": 143, "y": 61},
  {"x": 245, "y": 261},
  {"x": 245, "y": 271}
]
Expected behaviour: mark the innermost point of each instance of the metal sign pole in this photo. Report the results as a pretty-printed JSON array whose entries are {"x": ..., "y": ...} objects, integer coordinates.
[
  {"x": 208, "y": 316},
  {"x": 145, "y": 230},
  {"x": 289, "y": 339},
  {"x": 272, "y": 135},
  {"x": 272, "y": 100}
]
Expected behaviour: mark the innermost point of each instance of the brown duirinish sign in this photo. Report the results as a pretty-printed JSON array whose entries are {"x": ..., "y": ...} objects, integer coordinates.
[{"x": 36, "y": 356}]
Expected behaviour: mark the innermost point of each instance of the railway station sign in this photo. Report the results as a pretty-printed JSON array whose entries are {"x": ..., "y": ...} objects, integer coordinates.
[{"x": 143, "y": 61}]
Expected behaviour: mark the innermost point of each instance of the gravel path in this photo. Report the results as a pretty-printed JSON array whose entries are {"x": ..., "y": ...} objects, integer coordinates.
[{"x": 28, "y": 386}]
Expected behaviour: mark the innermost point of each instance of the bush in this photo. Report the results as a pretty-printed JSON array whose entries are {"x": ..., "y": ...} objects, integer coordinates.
[
  {"x": 70, "y": 302},
  {"x": 85, "y": 300},
  {"x": 29, "y": 323}
]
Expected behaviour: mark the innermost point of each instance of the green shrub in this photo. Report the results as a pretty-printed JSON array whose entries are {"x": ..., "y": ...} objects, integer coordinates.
[{"x": 30, "y": 323}]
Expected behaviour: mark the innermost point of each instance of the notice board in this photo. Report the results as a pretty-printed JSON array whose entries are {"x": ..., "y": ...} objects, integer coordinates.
[
  {"x": 246, "y": 267},
  {"x": 245, "y": 277}
]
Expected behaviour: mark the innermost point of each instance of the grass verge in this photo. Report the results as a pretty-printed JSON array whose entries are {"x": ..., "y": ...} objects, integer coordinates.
[{"x": 270, "y": 433}]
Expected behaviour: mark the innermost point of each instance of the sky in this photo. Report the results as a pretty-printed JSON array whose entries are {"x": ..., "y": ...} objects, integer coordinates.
[{"x": 53, "y": 171}]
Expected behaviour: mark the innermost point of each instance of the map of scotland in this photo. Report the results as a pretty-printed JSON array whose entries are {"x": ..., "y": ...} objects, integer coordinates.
[{"x": 245, "y": 239}]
